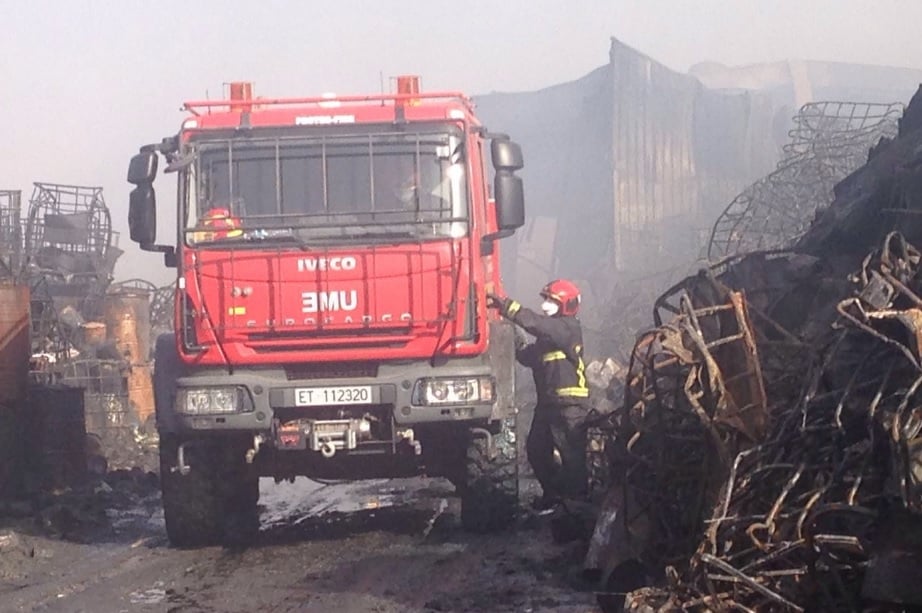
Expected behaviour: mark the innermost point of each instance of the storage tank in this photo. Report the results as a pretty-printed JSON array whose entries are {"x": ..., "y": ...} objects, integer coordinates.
[
  {"x": 15, "y": 350},
  {"x": 127, "y": 317},
  {"x": 15, "y": 345}
]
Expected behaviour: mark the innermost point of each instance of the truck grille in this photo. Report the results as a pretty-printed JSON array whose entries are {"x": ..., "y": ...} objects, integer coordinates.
[{"x": 331, "y": 370}]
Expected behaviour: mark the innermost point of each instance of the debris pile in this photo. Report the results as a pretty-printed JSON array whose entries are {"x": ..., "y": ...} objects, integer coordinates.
[
  {"x": 69, "y": 256},
  {"x": 86, "y": 332},
  {"x": 768, "y": 454},
  {"x": 829, "y": 141}
]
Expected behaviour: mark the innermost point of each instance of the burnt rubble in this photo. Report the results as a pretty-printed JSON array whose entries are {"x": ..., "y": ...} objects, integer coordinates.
[
  {"x": 768, "y": 451},
  {"x": 82, "y": 396}
]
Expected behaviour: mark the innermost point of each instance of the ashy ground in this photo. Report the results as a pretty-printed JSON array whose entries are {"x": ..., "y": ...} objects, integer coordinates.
[{"x": 383, "y": 546}]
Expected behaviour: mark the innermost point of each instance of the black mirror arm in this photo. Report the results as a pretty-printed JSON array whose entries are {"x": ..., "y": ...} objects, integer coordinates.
[
  {"x": 486, "y": 242},
  {"x": 178, "y": 162},
  {"x": 168, "y": 251}
]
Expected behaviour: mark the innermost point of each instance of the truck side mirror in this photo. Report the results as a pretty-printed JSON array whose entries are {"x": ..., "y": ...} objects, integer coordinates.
[
  {"x": 510, "y": 201},
  {"x": 142, "y": 214},
  {"x": 508, "y": 190},
  {"x": 143, "y": 167}
]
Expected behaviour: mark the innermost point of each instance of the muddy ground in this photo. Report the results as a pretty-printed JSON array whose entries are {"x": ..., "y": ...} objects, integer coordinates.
[{"x": 383, "y": 546}]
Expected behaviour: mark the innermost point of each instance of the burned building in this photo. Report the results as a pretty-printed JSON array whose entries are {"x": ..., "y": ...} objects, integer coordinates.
[{"x": 628, "y": 167}]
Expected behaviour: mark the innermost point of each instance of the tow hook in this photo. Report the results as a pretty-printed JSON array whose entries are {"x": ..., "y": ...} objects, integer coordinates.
[
  {"x": 408, "y": 436},
  {"x": 251, "y": 453},
  {"x": 327, "y": 449},
  {"x": 181, "y": 467},
  {"x": 491, "y": 448}
]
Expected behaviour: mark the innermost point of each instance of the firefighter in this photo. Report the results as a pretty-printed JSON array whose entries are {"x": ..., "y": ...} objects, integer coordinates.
[
  {"x": 556, "y": 360},
  {"x": 217, "y": 224}
]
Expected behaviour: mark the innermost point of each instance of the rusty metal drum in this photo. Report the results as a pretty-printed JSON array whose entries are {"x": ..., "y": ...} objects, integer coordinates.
[
  {"x": 15, "y": 345},
  {"x": 127, "y": 318},
  {"x": 15, "y": 350}
]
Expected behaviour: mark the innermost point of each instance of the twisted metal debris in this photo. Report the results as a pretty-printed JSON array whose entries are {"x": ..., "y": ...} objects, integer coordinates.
[
  {"x": 791, "y": 503},
  {"x": 768, "y": 455},
  {"x": 828, "y": 142}
]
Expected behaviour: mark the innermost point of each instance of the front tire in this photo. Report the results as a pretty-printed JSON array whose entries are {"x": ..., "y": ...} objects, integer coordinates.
[
  {"x": 216, "y": 502},
  {"x": 490, "y": 494}
]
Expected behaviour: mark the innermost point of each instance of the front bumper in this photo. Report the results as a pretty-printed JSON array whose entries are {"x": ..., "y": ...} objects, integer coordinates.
[{"x": 270, "y": 391}]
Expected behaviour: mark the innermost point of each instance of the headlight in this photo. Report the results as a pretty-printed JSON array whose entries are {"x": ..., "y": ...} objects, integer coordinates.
[
  {"x": 209, "y": 400},
  {"x": 467, "y": 390}
]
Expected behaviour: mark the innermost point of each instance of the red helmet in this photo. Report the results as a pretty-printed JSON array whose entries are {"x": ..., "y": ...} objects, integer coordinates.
[
  {"x": 565, "y": 293},
  {"x": 218, "y": 223}
]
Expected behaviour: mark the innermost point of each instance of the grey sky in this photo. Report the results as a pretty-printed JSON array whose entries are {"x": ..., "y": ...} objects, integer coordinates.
[{"x": 85, "y": 82}]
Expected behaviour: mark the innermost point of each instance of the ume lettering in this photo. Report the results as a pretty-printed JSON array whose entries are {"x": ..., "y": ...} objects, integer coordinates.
[{"x": 342, "y": 300}]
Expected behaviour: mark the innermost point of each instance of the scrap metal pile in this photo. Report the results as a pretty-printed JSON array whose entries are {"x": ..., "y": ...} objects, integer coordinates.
[
  {"x": 768, "y": 454},
  {"x": 829, "y": 141},
  {"x": 86, "y": 331}
]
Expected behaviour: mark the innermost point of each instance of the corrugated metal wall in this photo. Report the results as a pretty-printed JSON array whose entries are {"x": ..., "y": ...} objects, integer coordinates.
[
  {"x": 654, "y": 172},
  {"x": 627, "y": 169}
]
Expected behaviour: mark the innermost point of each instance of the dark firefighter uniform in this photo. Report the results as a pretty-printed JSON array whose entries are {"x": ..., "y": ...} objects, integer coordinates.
[{"x": 556, "y": 360}]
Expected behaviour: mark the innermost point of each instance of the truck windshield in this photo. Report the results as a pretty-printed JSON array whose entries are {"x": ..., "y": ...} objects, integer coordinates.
[{"x": 328, "y": 188}]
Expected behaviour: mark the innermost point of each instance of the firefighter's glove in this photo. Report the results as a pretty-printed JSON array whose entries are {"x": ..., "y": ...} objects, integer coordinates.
[
  {"x": 507, "y": 306},
  {"x": 494, "y": 301}
]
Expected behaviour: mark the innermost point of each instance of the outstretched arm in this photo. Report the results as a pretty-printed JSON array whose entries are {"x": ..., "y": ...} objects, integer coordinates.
[{"x": 539, "y": 326}]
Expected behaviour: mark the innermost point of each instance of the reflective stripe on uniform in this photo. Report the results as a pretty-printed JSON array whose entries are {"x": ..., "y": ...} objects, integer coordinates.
[
  {"x": 553, "y": 355},
  {"x": 579, "y": 392},
  {"x": 513, "y": 308},
  {"x": 581, "y": 371}
]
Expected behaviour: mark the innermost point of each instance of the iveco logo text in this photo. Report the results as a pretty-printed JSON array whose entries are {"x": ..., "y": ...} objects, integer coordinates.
[
  {"x": 313, "y": 302},
  {"x": 333, "y": 263}
]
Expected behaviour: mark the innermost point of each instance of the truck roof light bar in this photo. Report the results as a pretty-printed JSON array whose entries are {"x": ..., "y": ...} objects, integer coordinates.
[
  {"x": 241, "y": 92},
  {"x": 408, "y": 85},
  {"x": 408, "y": 99}
]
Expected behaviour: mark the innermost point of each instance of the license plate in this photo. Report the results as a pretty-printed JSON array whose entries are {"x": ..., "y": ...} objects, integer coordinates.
[{"x": 322, "y": 396}]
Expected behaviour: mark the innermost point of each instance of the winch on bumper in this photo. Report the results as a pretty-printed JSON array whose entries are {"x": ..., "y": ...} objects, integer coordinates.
[{"x": 325, "y": 436}]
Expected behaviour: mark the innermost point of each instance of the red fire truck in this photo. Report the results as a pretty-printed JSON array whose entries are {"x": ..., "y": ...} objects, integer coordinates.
[{"x": 333, "y": 257}]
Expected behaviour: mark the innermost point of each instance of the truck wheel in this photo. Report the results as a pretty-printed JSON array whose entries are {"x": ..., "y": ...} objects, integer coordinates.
[
  {"x": 490, "y": 496},
  {"x": 191, "y": 505},
  {"x": 215, "y": 503}
]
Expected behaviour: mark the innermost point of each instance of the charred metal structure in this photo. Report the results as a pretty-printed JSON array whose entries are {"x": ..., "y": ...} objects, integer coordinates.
[
  {"x": 830, "y": 140},
  {"x": 82, "y": 331},
  {"x": 70, "y": 244},
  {"x": 767, "y": 452}
]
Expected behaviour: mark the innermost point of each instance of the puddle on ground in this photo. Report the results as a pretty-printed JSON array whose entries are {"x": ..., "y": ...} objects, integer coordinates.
[
  {"x": 286, "y": 502},
  {"x": 154, "y": 595}
]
